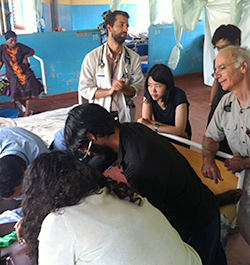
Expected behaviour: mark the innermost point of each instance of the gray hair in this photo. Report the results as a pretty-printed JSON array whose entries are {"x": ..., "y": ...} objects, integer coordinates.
[{"x": 239, "y": 54}]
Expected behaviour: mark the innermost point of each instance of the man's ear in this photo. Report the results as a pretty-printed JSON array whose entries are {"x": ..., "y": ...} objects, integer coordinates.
[
  {"x": 245, "y": 66},
  {"x": 91, "y": 136},
  {"x": 108, "y": 28},
  {"x": 237, "y": 42}
]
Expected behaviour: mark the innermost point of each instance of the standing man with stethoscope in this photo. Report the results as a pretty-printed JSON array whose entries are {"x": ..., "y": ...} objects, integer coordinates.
[{"x": 111, "y": 74}]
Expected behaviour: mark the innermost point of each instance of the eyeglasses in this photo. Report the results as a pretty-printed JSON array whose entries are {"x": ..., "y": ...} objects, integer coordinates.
[
  {"x": 220, "y": 69},
  {"x": 85, "y": 152}
]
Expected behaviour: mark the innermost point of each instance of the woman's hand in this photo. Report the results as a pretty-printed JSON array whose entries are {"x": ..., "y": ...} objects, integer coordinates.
[
  {"x": 25, "y": 60},
  {"x": 146, "y": 122}
]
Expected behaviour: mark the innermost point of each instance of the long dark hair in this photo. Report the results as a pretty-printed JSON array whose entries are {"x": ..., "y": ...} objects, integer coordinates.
[
  {"x": 55, "y": 180},
  {"x": 162, "y": 74}
]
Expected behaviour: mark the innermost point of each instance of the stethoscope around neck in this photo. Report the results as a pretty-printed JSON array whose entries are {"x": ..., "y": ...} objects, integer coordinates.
[{"x": 126, "y": 59}]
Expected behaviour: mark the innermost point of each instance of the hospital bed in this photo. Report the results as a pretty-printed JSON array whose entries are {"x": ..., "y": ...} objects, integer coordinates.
[
  {"x": 231, "y": 181},
  {"x": 46, "y": 124}
]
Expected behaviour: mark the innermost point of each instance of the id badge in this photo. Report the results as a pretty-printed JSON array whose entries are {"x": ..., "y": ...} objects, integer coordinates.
[{"x": 100, "y": 76}]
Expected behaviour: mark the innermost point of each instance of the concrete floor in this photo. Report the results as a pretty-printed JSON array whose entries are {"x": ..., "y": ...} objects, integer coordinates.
[{"x": 238, "y": 251}]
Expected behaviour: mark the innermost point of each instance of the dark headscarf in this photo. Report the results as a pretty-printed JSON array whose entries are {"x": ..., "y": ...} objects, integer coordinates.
[{"x": 9, "y": 34}]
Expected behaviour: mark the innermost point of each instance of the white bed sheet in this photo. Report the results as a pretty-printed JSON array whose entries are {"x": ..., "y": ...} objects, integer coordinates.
[{"x": 44, "y": 124}]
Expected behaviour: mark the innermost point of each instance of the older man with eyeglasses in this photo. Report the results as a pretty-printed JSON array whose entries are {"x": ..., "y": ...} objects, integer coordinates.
[
  {"x": 224, "y": 36},
  {"x": 231, "y": 120}
]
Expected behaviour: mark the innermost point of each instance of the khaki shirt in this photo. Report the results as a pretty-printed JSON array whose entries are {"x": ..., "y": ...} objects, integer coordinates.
[{"x": 233, "y": 121}]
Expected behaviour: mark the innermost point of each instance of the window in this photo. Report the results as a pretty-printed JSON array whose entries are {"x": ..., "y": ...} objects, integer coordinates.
[
  {"x": 164, "y": 12},
  {"x": 22, "y": 17}
]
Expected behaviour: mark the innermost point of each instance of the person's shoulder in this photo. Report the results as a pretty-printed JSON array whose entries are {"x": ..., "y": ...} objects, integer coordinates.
[
  {"x": 22, "y": 133},
  {"x": 2, "y": 47},
  {"x": 97, "y": 49},
  {"x": 101, "y": 26},
  {"x": 21, "y": 45},
  {"x": 132, "y": 126},
  {"x": 135, "y": 130},
  {"x": 228, "y": 97},
  {"x": 8, "y": 133},
  {"x": 52, "y": 224},
  {"x": 179, "y": 94},
  {"x": 179, "y": 91},
  {"x": 94, "y": 53},
  {"x": 225, "y": 103},
  {"x": 132, "y": 53},
  {"x": 129, "y": 129},
  {"x": 11, "y": 129}
]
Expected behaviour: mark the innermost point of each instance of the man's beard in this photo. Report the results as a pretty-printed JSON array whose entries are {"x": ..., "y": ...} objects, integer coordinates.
[
  {"x": 118, "y": 38},
  {"x": 101, "y": 151}
]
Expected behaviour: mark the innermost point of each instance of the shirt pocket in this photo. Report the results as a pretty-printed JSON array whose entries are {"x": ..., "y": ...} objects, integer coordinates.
[
  {"x": 231, "y": 130},
  {"x": 101, "y": 80}
]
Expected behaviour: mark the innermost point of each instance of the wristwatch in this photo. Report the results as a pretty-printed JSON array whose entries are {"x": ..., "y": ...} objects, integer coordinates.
[{"x": 156, "y": 127}]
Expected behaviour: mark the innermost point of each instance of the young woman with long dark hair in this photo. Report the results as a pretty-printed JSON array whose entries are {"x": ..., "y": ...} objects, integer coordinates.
[
  {"x": 75, "y": 215},
  {"x": 165, "y": 107}
]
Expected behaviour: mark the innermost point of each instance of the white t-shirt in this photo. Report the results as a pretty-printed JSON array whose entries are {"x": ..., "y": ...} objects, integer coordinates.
[{"x": 104, "y": 229}]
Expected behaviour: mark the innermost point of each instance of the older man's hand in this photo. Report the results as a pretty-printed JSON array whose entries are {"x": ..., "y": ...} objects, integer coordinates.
[
  {"x": 19, "y": 229},
  {"x": 211, "y": 171},
  {"x": 235, "y": 164}
]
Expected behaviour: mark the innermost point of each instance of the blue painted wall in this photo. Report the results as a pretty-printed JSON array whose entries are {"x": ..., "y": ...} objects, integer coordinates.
[
  {"x": 62, "y": 53},
  {"x": 87, "y": 16},
  {"x": 47, "y": 16},
  {"x": 79, "y": 17},
  {"x": 65, "y": 17},
  {"x": 162, "y": 40}
]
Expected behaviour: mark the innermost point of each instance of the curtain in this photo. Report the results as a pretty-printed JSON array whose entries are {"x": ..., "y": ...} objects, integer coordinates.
[
  {"x": 186, "y": 15},
  {"x": 153, "y": 10},
  {"x": 175, "y": 54},
  {"x": 236, "y": 11},
  {"x": 216, "y": 13},
  {"x": 37, "y": 5},
  {"x": 115, "y": 4},
  {"x": 187, "y": 12},
  {"x": 220, "y": 12}
]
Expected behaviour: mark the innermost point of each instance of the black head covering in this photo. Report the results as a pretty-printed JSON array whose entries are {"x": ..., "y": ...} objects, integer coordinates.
[{"x": 9, "y": 34}]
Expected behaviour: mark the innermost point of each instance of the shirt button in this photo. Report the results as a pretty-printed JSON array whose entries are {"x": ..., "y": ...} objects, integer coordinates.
[{"x": 243, "y": 142}]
